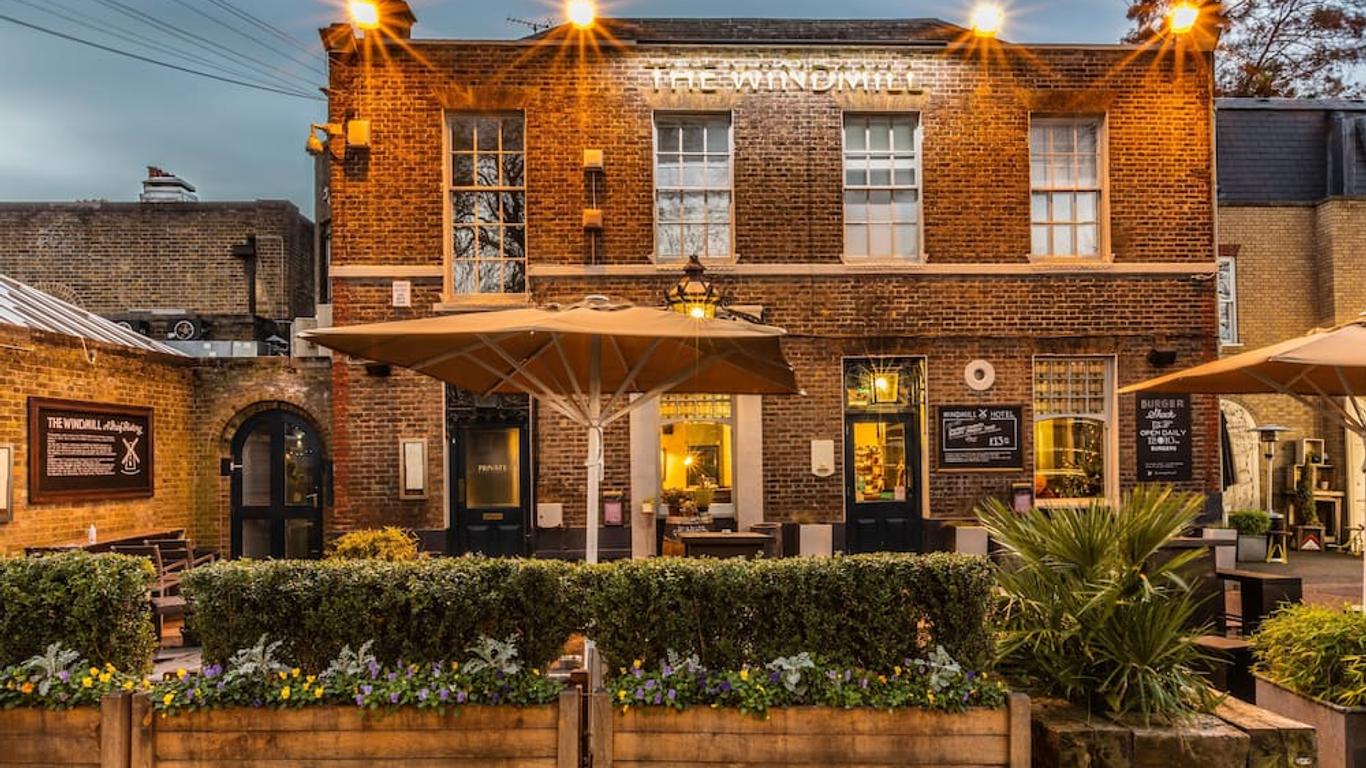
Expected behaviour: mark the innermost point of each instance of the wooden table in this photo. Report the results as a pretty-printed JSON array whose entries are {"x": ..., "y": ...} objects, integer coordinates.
[
  {"x": 104, "y": 544},
  {"x": 1262, "y": 593},
  {"x": 724, "y": 544}
]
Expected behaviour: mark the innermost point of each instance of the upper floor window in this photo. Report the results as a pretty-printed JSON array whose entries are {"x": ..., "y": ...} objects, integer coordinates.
[
  {"x": 693, "y": 198},
  {"x": 1073, "y": 419},
  {"x": 488, "y": 204},
  {"x": 881, "y": 187},
  {"x": 1066, "y": 187},
  {"x": 1228, "y": 300}
]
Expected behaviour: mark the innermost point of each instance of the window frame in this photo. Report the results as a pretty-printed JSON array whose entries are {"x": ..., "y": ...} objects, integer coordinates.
[
  {"x": 449, "y": 295},
  {"x": 655, "y": 116},
  {"x": 1104, "y": 254},
  {"x": 1110, "y": 436},
  {"x": 1234, "y": 339},
  {"x": 919, "y": 257},
  {"x": 729, "y": 421}
]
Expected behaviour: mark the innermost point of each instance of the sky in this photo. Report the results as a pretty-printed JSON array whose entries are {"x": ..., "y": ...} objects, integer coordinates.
[{"x": 83, "y": 124}]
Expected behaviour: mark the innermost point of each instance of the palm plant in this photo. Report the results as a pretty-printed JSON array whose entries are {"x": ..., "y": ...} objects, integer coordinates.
[{"x": 1091, "y": 614}]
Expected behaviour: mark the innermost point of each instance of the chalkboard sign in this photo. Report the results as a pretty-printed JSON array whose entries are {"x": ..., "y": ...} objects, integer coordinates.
[
  {"x": 980, "y": 437},
  {"x": 1164, "y": 438},
  {"x": 88, "y": 451}
]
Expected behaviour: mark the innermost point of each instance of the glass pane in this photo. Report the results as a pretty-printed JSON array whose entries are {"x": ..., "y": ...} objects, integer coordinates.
[
  {"x": 879, "y": 135},
  {"x": 1039, "y": 240},
  {"x": 718, "y": 240},
  {"x": 1086, "y": 171},
  {"x": 904, "y": 175},
  {"x": 462, "y": 208},
  {"x": 696, "y": 454},
  {"x": 1069, "y": 458},
  {"x": 694, "y": 138},
  {"x": 855, "y": 206},
  {"x": 880, "y": 205},
  {"x": 512, "y": 134},
  {"x": 904, "y": 205},
  {"x": 301, "y": 467},
  {"x": 856, "y": 239},
  {"x": 297, "y": 534},
  {"x": 514, "y": 242},
  {"x": 855, "y": 136},
  {"x": 694, "y": 206},
  {"x": 670, "y": 206},
  {"x": 880, "y": 171},
  {"x": 1038, "y": 140},
  {"x": 464, "y": 242},
  {"x": 1063, "y": 138},
  {"x": 256, "y": 469},
  {"x": 906, "y": 240},
  {"x": 694, "y": 240},
  {"x": 694, "y": 170},
  {"x": 667, "y": 174},
  {"x": 514, "y": 207},
  {"x": 1038, "y": 206},
  {"x": 668, "y": 238},
  {"x": 486, "y": 171},
  {"x": 718, "y": 206},
  {"x": 514, "y": 272},
  {"x": 489, "y": 242},
  {"x": 487, "y": 133},
  {"x": 462, "y": 170},
  {"x": 1087, "y": 134},
  {"x": 1063, "y": 175},
  {"x": 668, "y": 140},
  {"x": 513, "y": 168},
  {"x": 486, "y": 206},
  {"x": 493, "y": 468},
  {"x": 1087, "y": 242},
  {"x": 856, "y": 174},
  {"x": 256, "y": 539},
  {"x": 1086, "y": 206},
  {"x": 718, "y": 173},
  {"x": 880, "y": 240},
  {"x": 1062, "y": 207},
  {"x": 490, "y": 277},
  {"x": 718, "y": 137},
  {"x": 463, "y": 278},
  {"x": 1038, "y": 171},
  {"x": 462, "y": 134},
  {"x": 1062, "y": 240},
  {"x": 903, "y": 133},
  {"x": 879, "y": 469}
]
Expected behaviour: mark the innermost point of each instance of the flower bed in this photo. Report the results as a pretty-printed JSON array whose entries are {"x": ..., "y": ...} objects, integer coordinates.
[{"x": 800, "y": 710}]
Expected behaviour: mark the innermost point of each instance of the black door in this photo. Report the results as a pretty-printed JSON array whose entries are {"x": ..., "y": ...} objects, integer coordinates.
[
  {"x": 491, "y": 466},
  {"x": 277, "y": 483},
  {"x": 882, "y": 482}
]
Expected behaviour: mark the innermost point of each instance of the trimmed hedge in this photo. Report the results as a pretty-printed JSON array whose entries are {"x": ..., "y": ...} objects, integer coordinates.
[
  {"x": 869, "y": 611},
  {"x": 421, "y": 610},
  {"x": 96, "y": 605}
]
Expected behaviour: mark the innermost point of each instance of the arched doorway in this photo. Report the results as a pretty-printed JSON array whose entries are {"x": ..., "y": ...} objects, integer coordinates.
[
  {"x": 1245, "y": 490},
  {"x": 277, "y": 487}
]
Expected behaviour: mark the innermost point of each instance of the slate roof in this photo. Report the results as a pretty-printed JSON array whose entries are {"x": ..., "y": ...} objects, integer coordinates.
[
  {"x": 28, "y": 307},
  {"x": 795, "y": 31},
  {"x": 1290, "y": 150}
]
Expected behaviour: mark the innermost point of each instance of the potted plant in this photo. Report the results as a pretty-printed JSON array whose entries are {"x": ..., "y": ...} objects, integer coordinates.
[
  {"x": 1311, "y": 667},
  {"x": 1252, "y": 526}
]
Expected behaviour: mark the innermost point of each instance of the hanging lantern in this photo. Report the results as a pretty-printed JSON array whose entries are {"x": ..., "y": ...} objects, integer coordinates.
[{"x": 693, "y": 296}]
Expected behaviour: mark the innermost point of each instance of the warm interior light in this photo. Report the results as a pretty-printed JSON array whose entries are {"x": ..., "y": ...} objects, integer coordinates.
[
  {"x": 687, "y": 461},
  {"x": 580, "y": 13},
  {"x": 987, "y": 20},
  {"x": 365, "y": 13},
  {"x": 697, "y": 312},
  {"x": 1182, "y": 17},
  {"x": 881, "y": 383}
]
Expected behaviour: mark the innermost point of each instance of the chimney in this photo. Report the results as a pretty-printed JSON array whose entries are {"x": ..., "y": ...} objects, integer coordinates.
[{"x": 163, "y": 187}]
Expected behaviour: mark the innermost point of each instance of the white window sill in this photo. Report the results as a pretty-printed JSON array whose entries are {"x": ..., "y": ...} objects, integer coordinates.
[
  {"x": 1231, "y": 345},
  {"x": 917, "y": 260},
  {"x": 1072, "y": 262},
  {"x": 478, "y": 302},
  {"x": 710, "y": 262}
]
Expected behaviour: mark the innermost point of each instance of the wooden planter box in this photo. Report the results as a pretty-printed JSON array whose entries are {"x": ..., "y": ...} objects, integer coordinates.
[
  {"x": 808, "y": 736},
  {"x": 530, "y": 737},
  {"x": 83, "y": 736},
  {"x": 1341, "y": 731}
]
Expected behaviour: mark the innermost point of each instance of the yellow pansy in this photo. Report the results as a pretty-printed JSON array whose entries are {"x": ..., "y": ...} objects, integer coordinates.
[
  {"x": 284, "y": 692},
  {"x": 104, "y": 677},
  {"x": 744, "y": 673},
  {"x": 127, "y": 685},
  {"x": 535, "y": 671},
  {"x": 896, "y": 670},
  {"x": 311, "y": 678},
  {"x": 294, "y": 672},
  {"x": 455, "y": 665},
  {"x": 621, "y": 695},
  {"x": 931, "y": 697},
  {"x": 94, "y": 671},
  {"x": 882, "y": 679},
  {"x": 167, "y": 699},
  {"x": 26, "y": 688},
  {"x": 86, "y": 682},
  {"x": 180, "y": 673},
  {"x": 283, "y": 675},
  {"x": 636, "y": 664},
  {"x": 317, "y": 693},
  {"x": 109, "y": 666}
]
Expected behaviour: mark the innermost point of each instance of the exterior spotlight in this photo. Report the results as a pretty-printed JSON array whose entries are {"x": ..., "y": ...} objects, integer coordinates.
[
  {"x": 1181, "y": 17},
  {"x": 364, "y": 13},
  {"x": 580, "y": 13},
  {"x": 987, "y": 20}
]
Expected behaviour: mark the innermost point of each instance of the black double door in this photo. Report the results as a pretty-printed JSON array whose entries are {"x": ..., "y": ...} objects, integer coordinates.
[
  {"x": 278, "y": 470},
  {"x": 490, "y": 473},
  {"x": 882, "y": 483}
]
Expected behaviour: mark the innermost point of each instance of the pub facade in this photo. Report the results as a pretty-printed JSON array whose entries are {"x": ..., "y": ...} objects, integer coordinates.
[{"x": 971, "y": 244}]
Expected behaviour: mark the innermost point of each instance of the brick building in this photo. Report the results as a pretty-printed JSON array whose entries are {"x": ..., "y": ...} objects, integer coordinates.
[
  {"x": 1292, "y": 234},
  {"x": 170, "y": 266},
  {"x": 947, "y": 228}
]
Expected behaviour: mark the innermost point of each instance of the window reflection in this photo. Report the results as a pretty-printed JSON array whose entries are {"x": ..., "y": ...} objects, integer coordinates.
[
  {"x": 879, "y": 461},
  {"x": 256, "y": 469},
  {"x": 493, "y": 468}
]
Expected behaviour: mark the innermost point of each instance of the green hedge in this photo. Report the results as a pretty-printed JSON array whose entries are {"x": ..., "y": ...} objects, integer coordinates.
[
  {"x": 871, "y": 611},
  {"x": 96, "y": 605},
  {"x": 422, "y": 610},
  {"x": 1315, "y": 651}
]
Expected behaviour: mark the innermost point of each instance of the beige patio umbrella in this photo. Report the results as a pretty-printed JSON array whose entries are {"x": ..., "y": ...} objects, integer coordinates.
[
  {"x": 1325, "y": 369},
  {"x": 584, "y": 361}
]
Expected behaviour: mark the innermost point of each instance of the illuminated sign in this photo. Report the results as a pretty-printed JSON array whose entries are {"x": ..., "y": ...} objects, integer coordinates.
[{"x": 782, "y": 76}]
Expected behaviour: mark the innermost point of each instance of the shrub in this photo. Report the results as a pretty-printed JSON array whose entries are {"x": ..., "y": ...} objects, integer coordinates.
[
  {"x": 421, "y": 610},
  {"x": 95, "y": 605},
  {"x": 1091, "y": 614},
  {"x": 1315, "y": 651},
  {"x": 868, "y": 611},
  {"x": 392, "y": 544},
  {"x": 1250, "y": 522}
]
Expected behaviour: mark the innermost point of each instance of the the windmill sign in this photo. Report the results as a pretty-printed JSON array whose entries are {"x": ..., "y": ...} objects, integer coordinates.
[{"x": 88, "y": 451}]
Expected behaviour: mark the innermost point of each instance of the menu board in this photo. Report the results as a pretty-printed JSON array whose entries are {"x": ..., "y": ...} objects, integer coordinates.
[
  {"x": 1164, "y": 438},
  {"x": 88, "y": 450},
  {"x": 980, "y": 437}
]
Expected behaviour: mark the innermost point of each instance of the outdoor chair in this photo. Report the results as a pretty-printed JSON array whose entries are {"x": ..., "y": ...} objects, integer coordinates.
[
  {"x": 179, "y": 555},
  {"x": 165, "y": 593}
]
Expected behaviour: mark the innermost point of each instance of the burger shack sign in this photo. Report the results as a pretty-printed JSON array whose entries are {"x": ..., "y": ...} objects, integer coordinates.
[{"x": 782, "y": 76}]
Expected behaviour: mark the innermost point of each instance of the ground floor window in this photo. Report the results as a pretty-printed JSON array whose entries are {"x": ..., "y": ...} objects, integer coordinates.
[
  {"x": 697, "y": 443},
  {"x": 1072, "y": 423}
]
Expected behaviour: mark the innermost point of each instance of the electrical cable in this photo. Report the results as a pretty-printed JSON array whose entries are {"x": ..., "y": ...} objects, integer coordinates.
[
  {"x": 149, "y": 60},
  {"x": 212, "y": 46},
  {"x": 105, "y": 27},
  {"x": 254, "y": 39},
  {"x": 267, "y": 26}
]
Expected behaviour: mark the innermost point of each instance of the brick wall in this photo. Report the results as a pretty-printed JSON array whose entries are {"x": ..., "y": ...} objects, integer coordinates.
[
  {"x": 113, "y": 257},
  {"x": 387, "y": 209}
]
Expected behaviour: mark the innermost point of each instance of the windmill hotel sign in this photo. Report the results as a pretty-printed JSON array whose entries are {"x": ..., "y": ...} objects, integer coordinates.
[{"x": 782, "y": 76}]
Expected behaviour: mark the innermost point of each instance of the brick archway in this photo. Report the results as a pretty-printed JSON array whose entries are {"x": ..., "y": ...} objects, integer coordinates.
[{"x": 235, "y": 423}]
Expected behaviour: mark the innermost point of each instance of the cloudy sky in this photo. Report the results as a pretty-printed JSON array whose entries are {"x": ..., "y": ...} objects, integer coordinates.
[{"x": 81, "y": 123}]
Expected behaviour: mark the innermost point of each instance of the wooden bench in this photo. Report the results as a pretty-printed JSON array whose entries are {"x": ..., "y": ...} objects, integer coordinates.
[
  {"x": 1229, "y": 664},
  {"x": 1262, "y": 593},
  {"x": 1276, "y": 741}
]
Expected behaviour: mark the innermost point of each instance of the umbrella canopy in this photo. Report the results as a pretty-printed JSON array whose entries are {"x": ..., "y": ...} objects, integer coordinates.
[
  {"x": 1325, "y": 368},
  {"x": 584, "y": 360}
]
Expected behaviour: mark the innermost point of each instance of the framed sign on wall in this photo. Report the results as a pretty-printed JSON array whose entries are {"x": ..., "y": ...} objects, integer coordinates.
[
  {"x": 6, "y": 483},
  {"x": 80, "y": 451},
  {"x": 1164, "y": 438},
  {"x": 980, "y": 438}
]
